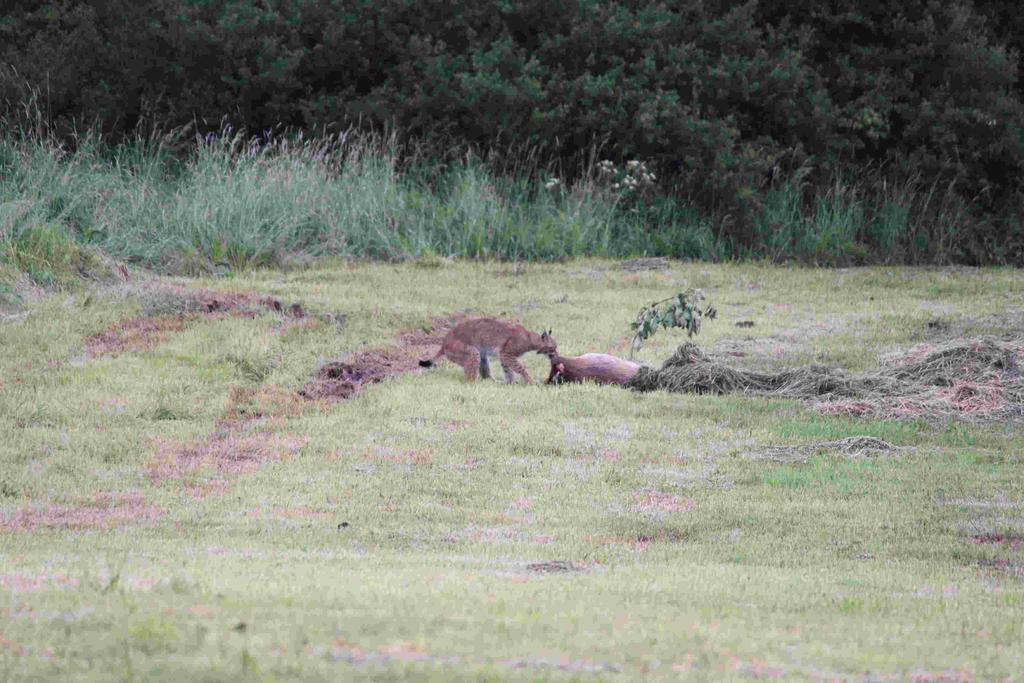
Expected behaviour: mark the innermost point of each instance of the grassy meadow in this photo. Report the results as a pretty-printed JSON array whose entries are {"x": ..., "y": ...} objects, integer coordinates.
[{"x": 174, "y": 511}]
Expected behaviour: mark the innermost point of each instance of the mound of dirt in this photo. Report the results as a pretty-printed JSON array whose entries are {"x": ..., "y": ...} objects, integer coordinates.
[
  {"x": 167, "y": 299},
  {"x": 979, "y": 379},
  {"x": 341, "y": 379}
]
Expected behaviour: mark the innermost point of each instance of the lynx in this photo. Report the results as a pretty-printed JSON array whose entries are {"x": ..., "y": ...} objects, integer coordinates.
[{"x": 471, "y": 342}]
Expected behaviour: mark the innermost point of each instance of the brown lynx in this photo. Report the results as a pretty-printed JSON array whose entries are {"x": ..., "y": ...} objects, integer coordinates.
[{"x": 471, "y": 342}]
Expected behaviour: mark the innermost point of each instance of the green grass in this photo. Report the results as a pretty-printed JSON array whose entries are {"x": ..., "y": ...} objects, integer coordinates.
[
  {"x": 394, "y": 543},
  {"x": 230, "y": 203}
]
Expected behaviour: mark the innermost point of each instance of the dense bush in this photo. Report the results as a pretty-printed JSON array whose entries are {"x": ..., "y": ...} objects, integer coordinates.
[{"x": 749, "y": 113}]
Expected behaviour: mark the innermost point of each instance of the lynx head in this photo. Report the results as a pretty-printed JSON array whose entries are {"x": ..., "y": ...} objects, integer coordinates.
[{"x": 546, "y": 344}]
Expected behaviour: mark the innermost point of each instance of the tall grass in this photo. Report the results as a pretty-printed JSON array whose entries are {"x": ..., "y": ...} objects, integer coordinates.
[
  {"x": 234, "y": 202},
  {"x": 228, "y": 201}
]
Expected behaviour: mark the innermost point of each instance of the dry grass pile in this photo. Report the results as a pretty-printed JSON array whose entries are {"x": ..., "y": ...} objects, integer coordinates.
[{"x": 974, "y": 379}]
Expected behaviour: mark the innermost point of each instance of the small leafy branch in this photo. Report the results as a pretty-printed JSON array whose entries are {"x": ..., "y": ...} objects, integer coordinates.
[{"x": 682, "y": 310}]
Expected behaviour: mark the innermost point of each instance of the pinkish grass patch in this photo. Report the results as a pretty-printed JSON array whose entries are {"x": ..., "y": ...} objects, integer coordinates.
[
  {"x": 224, "y": 453},
  {"x": 134, "y": 335},
  {"x": 22, "y": 582},
  {"x": 266, "y": 400},
  {"x": 418, "y": 458},
  {"x": 656, "y": 501},
  {"x": 407, "y": 652},
  {"x": 211, "y": 488},
  {"x": 575, "y": 666},
  {"x": 505, "y": 534},
  {"x": 757, "y": 668},
  {"x": 452, "y": 426},
  {"x": 106, "y": 511}
]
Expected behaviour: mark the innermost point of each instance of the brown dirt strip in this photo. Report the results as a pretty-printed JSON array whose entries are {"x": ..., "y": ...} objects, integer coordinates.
[
  {"x": 243, "y": 441},
  {"x": 342, "y": 379},
  {"x": 175, "y": 308},
  {"x": 1011, "y": 541}
]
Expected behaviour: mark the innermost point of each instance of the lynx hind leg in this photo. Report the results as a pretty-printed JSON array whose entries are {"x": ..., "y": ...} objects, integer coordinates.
[
  {"x": 509, "y": 376},
  {"x": 464, "y": 355}
]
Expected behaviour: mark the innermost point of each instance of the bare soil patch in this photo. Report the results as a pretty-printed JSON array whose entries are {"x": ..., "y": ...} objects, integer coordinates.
[
  {"x": 105, "y": 511},
  {"x": 166, "y": 299},
  {"x": 1011, "y": 541},
  {"x": 134, "y": 335},
  {"x": 342, "y": 379},
  {"x": 1002, "y": 568},
  {"x": 229, "y": 452},
  {"x": 264, "y": 401},
  {"x": 172, "y": 308},
  {"x": 242, "y": 442}
]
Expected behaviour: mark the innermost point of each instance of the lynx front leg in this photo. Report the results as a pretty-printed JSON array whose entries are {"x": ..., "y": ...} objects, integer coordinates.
[{"x": 510, "y": 364}]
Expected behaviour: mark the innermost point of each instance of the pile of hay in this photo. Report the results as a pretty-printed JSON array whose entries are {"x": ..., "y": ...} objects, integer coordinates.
[{"x": 978, "y": 379}]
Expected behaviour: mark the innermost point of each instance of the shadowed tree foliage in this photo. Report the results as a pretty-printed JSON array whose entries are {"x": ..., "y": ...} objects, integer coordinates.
[{"x": 728, "y": 101}]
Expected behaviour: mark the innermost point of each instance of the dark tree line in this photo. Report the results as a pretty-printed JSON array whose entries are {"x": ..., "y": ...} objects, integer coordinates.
[{"x": 723, "y": 97}]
